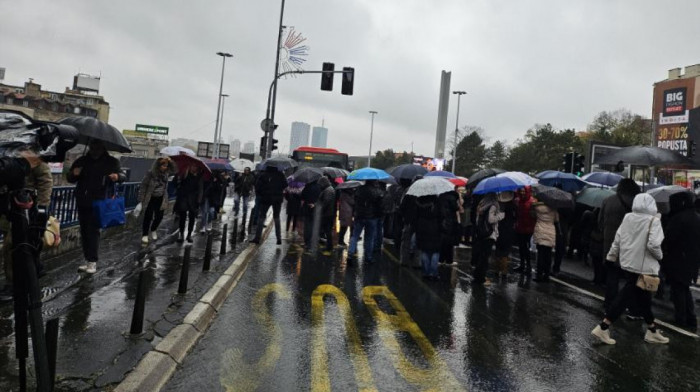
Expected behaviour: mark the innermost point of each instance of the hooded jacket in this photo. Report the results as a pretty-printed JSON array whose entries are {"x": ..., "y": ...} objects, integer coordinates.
[
  {"x": 545, "y": 233},
  {"x": 613, "y": 210},
  {"x": 525, "y": 222},
  {"x": 681, "y": 246},
  {"x": 153, "y": 179},
  {"x": 637, "y": 244}
]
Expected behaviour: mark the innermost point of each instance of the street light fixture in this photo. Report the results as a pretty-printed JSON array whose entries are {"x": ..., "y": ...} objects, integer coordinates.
[
  {"x": 371, "y": 134},
  {"x": 218, "y": 106},
  {"x": 454, "y": 149}
]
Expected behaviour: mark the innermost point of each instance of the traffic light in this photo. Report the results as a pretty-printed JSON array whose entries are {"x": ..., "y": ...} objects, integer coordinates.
[
  {"x": 567, "y": 160},
  {"x": 692, "y": 148},
  {"x": 327, "y": 77},
  {"x": 579, "y": 164},
  {"x": 263, "y": 146},
  {"x": 273, "y": 145},
  {"x": 348, "y": 80}
]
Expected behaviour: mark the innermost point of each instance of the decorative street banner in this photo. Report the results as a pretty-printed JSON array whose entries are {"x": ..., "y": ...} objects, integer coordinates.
[{"x": 155, "y": 129}]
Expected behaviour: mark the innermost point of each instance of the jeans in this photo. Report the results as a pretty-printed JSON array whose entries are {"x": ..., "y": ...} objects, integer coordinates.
[
  {"x": 484, "y": 247},
  {"x": 237, "y": 202},
  {"x": 153, "y": 215},
  {"x": 631, "y": 296},
  {"x": 370, "y": 228},
  {"x": 89, "y": 233},
  {"x": 430, "y": 263},
  {"x": 262, "y": 214},
  {"x": 208, "y": 213}
]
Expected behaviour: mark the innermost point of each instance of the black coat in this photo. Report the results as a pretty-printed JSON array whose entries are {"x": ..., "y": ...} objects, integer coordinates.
[
  {"x": 216, "y": 193},
  {"x": 427, "y": 224},
  {"x": 244, "y": 184},
  {"x": 506, "y": 228},
  {"x": 449, "y": 205},
  {"x": 681, "y": 246},
  {"x": 310, "y": 195},
  {"x": 368, "y": 202},
  {"x": 190, "y": 191},
  {"x": 92, "y": 183},
  {"x": 270, "y": 186},
  {"x": 612, "y": 211},
  {"x": 13, "y": 171}
]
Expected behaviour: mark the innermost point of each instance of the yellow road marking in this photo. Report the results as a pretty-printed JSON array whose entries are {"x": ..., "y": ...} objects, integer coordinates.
[
  {"x": 437, "y": 375},
  {"x": 236, "y": 373},
  {"x": 320, "y": 380}
]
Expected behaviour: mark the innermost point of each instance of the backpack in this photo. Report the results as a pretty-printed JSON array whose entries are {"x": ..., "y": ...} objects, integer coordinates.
[{"x": 484, "y": 229}]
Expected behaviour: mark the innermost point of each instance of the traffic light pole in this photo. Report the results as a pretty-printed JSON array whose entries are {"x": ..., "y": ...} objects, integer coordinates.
[{"x": 270, "y": 113}]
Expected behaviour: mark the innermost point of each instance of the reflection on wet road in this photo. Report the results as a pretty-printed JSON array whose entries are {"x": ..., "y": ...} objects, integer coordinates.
[{"x": 299, "y": 323}]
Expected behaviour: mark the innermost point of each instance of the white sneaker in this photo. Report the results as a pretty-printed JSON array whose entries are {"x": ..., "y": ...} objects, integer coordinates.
[
  {"x": 83, "y": 267},
  {"x": 603, "y": 335},
  {"x": 154, "y": 235},
  {"x": 209, "y": 226},
  {"x": 91, "y": 268},
  {"x": 655, "y": 337},
  {"x": 144, "y": 240}
]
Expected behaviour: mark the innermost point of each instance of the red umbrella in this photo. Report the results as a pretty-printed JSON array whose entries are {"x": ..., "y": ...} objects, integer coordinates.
[
  {"x": 184, "y": 162},
  {"x": 458, "y": 181}
]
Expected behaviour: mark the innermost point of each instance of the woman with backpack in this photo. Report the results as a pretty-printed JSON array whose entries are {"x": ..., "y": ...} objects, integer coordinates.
[{"x": 488, "y": 214}]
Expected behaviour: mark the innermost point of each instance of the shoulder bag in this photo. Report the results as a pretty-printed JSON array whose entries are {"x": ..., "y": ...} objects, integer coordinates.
[
  {"x": 109, "y": 211},
  {"x": 648, "y": 282}
]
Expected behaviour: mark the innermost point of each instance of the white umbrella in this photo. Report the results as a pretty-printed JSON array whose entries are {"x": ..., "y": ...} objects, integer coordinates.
[
  {"x": 177, "y": 150},
  {"x": 430, "y": 186},
  {"x": 239, "y": 164}
]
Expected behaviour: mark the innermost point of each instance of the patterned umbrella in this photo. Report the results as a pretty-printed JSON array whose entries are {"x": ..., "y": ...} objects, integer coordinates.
[{"x": 430, "y": 186}]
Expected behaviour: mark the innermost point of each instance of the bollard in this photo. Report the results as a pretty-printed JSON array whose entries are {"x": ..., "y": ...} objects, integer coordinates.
[
  {"x": 139, "y": 305},
  {"x": 185, "y": 271},
  {"x": 207, "y": 253},
  {"x": 224, "y": 233},
  {"x": 234, "y": 232},
  {"x": 51, "y": 349}
]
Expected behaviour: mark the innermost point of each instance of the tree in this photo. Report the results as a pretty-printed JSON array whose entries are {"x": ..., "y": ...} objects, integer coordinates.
[
  {"x": 497, "y": 154},
  {"x": 471, "y": 154},
  {"x": 542, "y": 149},
  {"x": 383, "y": 159},
  {"x": 620, "y": 127}
]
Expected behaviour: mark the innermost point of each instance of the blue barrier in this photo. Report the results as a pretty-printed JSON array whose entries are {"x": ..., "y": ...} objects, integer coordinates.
[{"x": 64, "y": 208}]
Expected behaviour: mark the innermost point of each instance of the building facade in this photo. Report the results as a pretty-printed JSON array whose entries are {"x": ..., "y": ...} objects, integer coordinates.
[
  {"x": 299, "y": 135},
  {"x": 249, "y": 148},
  {"x": 319, "y": 137},
  {"x": 45, "y": 105},
  {"x": 235, "y": 147}
]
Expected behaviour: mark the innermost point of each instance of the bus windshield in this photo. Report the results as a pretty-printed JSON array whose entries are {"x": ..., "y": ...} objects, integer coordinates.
[{"x": 320, "y": 157}]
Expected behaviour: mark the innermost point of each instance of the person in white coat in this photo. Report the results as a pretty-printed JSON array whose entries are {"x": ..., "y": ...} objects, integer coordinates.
[{"x": 637, "y": 246}]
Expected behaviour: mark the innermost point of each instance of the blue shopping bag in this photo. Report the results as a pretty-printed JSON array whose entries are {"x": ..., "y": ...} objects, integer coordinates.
[{"x": 109, "y": 211}]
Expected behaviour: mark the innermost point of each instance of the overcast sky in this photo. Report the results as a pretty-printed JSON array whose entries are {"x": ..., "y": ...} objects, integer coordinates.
[{"x": 521, "y": 62}]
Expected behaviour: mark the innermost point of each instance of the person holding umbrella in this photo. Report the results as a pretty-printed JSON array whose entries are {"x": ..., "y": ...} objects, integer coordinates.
[
  {"x": 545, "y": 236},
  {"x": 293, "y": 196},
  {"x": 326, "y": 201},
  {"x": 345, "y": 213},
  {"x": 488, "y": 215},
  {"x": 94, "y": 175},
  {"x": 270, "y": 188},
  {"x": 368, "y": 209},
  {"x": 242, "y": 187},
  {"x": 152, "y": 194},
  {"x": 190, "y": 192},
  {"x": 524, "y": 228}
]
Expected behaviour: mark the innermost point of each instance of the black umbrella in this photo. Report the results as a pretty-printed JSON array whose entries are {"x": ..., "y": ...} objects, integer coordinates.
[
  {"x": 335, "y": 172},
  {"x": 481, "y": 174},
  {"x": 553, "y": 197},
  {"x": 307, "y": 175},
  {"x": 280, "y": 163},
  {"x": 645, "y": 156},
  {"x": 350, "y": 184},
  {"x": 91, "y": 128},
  {"x": 407, "y": 171}
]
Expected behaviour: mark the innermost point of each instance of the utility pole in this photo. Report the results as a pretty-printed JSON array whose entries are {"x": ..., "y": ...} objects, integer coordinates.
[
  {"x": 215, "y": 153},
  {"x": 371, "y": 134},
  {"x": 454, "y": 150},
  {"x": 271, "y": 102}
]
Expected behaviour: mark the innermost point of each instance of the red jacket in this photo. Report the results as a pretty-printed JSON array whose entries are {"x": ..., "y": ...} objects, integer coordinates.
[{"x": 526, "y": 222}]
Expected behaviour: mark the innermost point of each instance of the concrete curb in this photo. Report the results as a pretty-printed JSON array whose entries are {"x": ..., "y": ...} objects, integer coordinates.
[{"x": 156, "y": 368}]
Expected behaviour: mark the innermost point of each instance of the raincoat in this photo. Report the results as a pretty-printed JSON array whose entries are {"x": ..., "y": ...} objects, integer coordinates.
[
  {"x": 525, "y": 222},
  {"x": 545, "y": 233}
]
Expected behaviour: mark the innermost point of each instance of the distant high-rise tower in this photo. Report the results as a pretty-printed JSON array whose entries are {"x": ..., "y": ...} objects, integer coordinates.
[
  {"x": 249, "y": 148},
  {"x": 319, "y": 137},
  {"x": 300, "y": 135},
  {"x": 442, "y": 114},
  {"x": 235, "y": 147}
]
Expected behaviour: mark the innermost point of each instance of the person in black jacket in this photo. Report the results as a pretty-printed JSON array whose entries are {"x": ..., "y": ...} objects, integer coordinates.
[
  {"x": 430, "y": 231},
  {"x": 190, "y": 192},
  {"x": 326, "y": 200},
  {"x": 368, "y": 210},
  {"x": 242, "y": 187},
  {"x": 681, "y": 255},
  {"x": 270, "y": 188},
  {"x": 448, "y": 204},
  {"x": 309, "y": 198},
  {"x": 94, "y": 175}
]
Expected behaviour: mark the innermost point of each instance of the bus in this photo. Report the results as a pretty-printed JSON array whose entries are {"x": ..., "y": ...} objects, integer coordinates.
[{"x": 320, "y": 157}]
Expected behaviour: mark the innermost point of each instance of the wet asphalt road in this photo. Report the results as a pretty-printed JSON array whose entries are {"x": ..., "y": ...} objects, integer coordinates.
[{"x": 299, "y": 323}]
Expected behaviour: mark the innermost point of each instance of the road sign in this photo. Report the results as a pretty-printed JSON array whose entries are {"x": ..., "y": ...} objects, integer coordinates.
[{"x": 267, "y": 124}]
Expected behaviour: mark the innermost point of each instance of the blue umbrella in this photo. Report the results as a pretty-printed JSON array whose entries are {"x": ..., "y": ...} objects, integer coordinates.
[
  {"x": 508, "y": 181},
  {"x": 368, "y": 173},
  {"x": 567, "y": 181},
  {"x": 440, "y": 173},
  {"x": 603, "y": 178}
]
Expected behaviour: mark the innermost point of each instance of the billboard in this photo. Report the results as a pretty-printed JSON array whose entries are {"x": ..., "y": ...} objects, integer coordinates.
[
  {"x": 432, "y": 164},
  {"x": 675, "y": 101},
  {"x": 206, "y": 150},
  {"x": 154, "y": 129},
  {"x": 86, "y": 83}
]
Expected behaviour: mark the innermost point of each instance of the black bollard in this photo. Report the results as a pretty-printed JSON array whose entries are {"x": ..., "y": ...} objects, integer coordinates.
[
  {"x": 140, "y": 304},
  {"x": 224, "y": 233},
  {"x": 234, "y": 232},
  {"x": 207, "y": 253},
  {"x": 185, "y": 271},
  {"x": 52, "y": 349}
]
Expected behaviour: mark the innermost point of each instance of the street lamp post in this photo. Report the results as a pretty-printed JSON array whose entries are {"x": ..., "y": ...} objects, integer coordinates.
[
  {"x": 218, "y": 106},
  {"x": 221, "y": 123},
  {"x": 371, "y": 134},
  {"x": 454, "y": 149}
]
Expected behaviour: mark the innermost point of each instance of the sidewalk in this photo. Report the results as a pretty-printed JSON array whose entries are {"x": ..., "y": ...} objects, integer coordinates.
[{"x": 95, "y": 349}]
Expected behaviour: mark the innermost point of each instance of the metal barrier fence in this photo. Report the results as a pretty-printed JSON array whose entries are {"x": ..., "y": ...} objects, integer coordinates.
[{"x": 64, "y": 208}]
